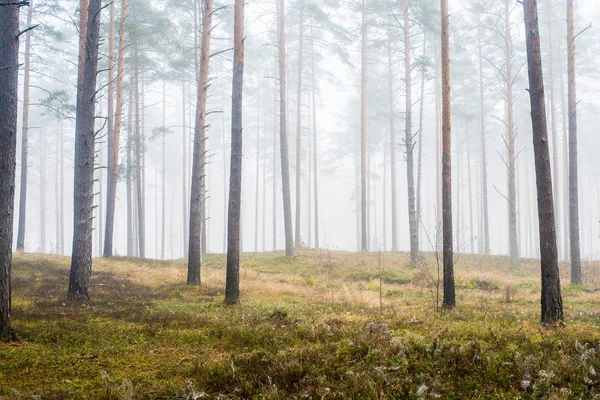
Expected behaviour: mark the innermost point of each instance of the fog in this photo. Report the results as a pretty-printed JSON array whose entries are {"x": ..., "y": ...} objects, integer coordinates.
[{"x": 164, "y": 31}]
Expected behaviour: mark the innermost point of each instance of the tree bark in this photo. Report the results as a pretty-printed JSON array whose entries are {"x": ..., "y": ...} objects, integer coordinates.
[
  {"x": 420, "y": 152},
  {"x": 483, "y": 137},
  {"x": 128, "y": 181},
  {"x": 25, "y": 136},
  {"x": 469, "y": 182},
  {"x": 315, "y": 147},
  {"x": 9, "y": 99},
  {"x": 83, "y": 199},
  {"x": 408, "y": 142},
  {"x": 285, "y": 167},
  {"x": 576, "y": 278},
  {"x": 449, "y": 300},
  {"x": 512, "y": 190},
  {"x": 197, "y": 199},
  {"x": 392, "y": 147},
  {"x": 298, "y": 237},
  {"x": 138, "y": 161},
  {"x": 551, "y": 299},
  {"x": 232, "y": 283},
  {"x": 364, "y": 242},
  {"x": 114, "y": 138}
]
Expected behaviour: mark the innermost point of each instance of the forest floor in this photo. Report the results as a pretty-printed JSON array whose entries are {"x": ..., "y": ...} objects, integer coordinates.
[{"x": 317, "y": 326}]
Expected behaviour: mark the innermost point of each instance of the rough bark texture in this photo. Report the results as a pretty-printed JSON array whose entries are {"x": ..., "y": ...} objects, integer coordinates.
[
  {"x": 114, "y": 126},
  {"x": 408, "y": 142},
  {"x": 197, "y": 198},
  {"x": 297, "y": 236},
  {"x": 232, "y": 283},
  {"x": 364, "y": 240},
  {"x": 551, "y": 300},
  {"x": 392, "y": 148},
  {"x": 283, "y": 143},
  {"x": 25, "y": 136},
  {"x": 449, "y": 300},
  {"x": 83, "y": 199},
  {"x": 9, "y": 98},
  {"x": 485, "y": 235},
  {"x": 576, "y": 278},
  {"x": 512, "y": 189}
]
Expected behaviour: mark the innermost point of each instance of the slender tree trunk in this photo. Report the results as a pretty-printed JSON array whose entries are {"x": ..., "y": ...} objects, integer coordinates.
[
  {"x": 264, "y": 200},
  {"x": 42, "y": 192},
  {"x": 257, "y": 185},
  {"x": 408, "y": 142},
  {"x": 164, "y": 173},
  {"x": 197, "y": 199},
  {"x": 9, "y": 99},
  {"x": 225, "y": 199},
  {"x": 552, "y": 310},
  {"x": 138, "y": 162},
  {"x": 128, "y": 180},
  {"x": 576, "y": 278},
  {"x": 232, "y": 284},
  {"x": 392, "y": 147},
  {"x": 285, "y": 167},
  {"x": 115, "y": 129},
  {"x": 471, "y": 226},
  {"x": 512, "y": 190},
  {"x": 458, "y": 220},
  {"x": 315, "y": 148},
  {"x": 298, "y": 237},
  {"x": 449, "y": 300},
  {"x": 483, "y": 137},
  {"x": 56, "y": 248},
  {"x": 275, "y": 171},
  {"x": 420, "y": 153},
  {"x": 439, "y": 226},
  {"x": 364, "y": 242},
  {"x": 62, "y": 191},
  {"x": 184, "y": 191},
  {"x": 83, "y": 201},
  {"x": 25, "y": 135},
  {"x": 555, "y": 143}
]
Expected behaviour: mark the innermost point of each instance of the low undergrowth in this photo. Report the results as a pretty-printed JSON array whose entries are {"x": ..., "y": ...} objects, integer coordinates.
[{"x": 146, "y": 335}]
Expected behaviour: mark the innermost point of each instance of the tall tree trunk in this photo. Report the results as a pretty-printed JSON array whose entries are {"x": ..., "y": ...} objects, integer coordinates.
[
  {"x": 408, "y": 142},
  {"x": 471, "y": 226},
  {"x": 512, "y": 190},
  {"x": 128, "y": 180},
  {"x": 439, "y": 226},
  {"x": 483, "y": 137},
  {"x": 139, "y": 178},
  {"x": 275, "y": 192},
  {"x": 83, "y": 201},
  {"x": 576, "y": 278},
  {"x": 184, "y": 192},
  {"x": 552, "y": 310},
  {"x": 555, "y": 143},
  {"x": 9, "y": 99},
  {"x": 420, "y": 152},
  {"x": 264, "y": 200},
  {"x": 298, "y": 237},
  {"x": 42, "y": 192},
  {"x": 364, "y": 242},
  {"x": 285, "y": 166},
  {"x": 25, "y": 136},
  {"x": 62, "y": 191},
  {"x": 225, "y": 199},
  {"x": 257, "y": 185},
  {"x": 164, "y": 172},
  {"x": 232, "y": 283},
  {"x": 449, "y": 300},
  {"x": 114, "y": 129},
  {"x": 197, "y": 199},
  {"x": 392, "y": 146}
]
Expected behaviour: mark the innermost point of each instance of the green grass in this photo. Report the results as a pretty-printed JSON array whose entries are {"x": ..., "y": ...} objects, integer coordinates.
[{"x": 309, "y": 327}]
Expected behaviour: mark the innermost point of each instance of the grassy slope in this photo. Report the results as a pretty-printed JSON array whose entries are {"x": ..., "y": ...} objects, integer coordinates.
[{"x": 310, "y": 327}]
